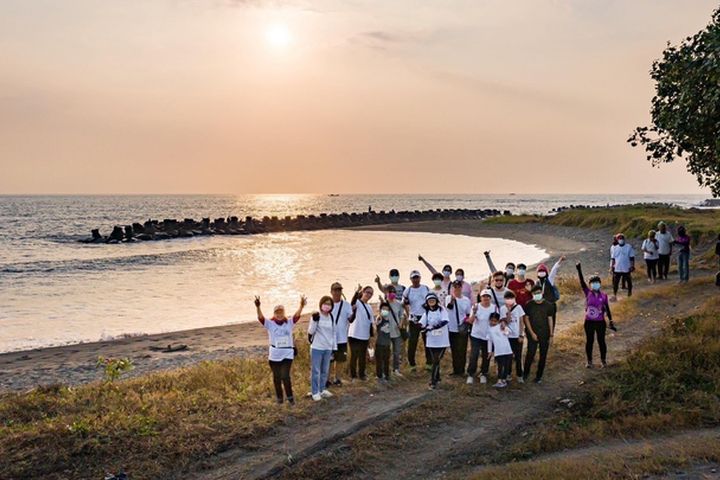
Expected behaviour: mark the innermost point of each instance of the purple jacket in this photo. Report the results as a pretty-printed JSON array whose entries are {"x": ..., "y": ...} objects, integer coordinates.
[{"x": 596, "y": 304}]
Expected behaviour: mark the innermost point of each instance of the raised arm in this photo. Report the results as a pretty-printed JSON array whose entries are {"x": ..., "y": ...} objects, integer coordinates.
[
  {"x": 427, "y": 264},
  {"x": 555, "y": 269},
  {"x": 381, "y": 287},
  {"x": 260, "y": 316},
  {"x": 490, "y": 263},
  {"x": 298, "y": 314},
  {"x": 583, "y": 285}
]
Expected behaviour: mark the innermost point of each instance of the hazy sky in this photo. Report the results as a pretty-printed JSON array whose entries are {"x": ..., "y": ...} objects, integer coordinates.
[{"x": 252, "y": 96}]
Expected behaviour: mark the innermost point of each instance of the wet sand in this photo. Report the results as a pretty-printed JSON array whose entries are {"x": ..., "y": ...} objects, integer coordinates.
[{"x": 74, "y": 364}]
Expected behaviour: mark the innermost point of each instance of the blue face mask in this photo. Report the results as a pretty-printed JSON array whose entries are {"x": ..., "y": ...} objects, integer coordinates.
[
  {"x": 394, "y": 279},
  {"x": 595, "y": 286}
]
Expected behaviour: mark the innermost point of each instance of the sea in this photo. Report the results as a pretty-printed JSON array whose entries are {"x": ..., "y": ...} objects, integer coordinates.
[{"x": 57, "y": 291}]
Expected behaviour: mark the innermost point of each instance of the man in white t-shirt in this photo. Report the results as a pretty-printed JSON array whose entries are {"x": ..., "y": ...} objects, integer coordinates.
[
  {"x": 665, "y": 241},
  {"x": 414, "y": 299},
  {"x": 622, "y": 264},
  {"x": 459, "y": 309},
  {"x": 341, "y": 312}
]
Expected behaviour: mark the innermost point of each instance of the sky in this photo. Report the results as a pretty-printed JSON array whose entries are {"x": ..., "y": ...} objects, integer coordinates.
[{"x": 342, "y": 96}]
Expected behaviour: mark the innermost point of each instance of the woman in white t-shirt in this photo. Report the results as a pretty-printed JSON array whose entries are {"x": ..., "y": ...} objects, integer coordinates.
[
  {"x": 435, "y": 323},
  {"x": 479, "y": 337},
  {"x": 499, "y": 346},
  {"x": 323, "y": 342},
  {"x": 651, "y": 254},
  {"x": 282, "y": 349}
]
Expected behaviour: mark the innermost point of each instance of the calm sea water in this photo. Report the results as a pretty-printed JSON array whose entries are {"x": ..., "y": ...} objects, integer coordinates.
[{"x": 54, "y": 290}]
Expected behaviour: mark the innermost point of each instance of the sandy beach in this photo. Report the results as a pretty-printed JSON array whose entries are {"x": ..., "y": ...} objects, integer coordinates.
[{"x": 73, "y": 364}]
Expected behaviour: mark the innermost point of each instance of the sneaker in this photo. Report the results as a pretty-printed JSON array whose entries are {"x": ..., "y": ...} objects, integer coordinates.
[
  {"x": 317, "y": 397},
  {"x": 291, "y": 401},
  {"x": 432, "y": 386},
  {"x": 483, "y": 379},
  {"x": 337, "y": 382},
  {"x": 470, "y": 380},
  {"x": 521, "y": 379},
  {"x": 603, "y": 365},
  {"x": 588, "y": 365},
  {"x": 508, "y": 379},
  {"x": 326, "y": 394},
  {"x": 538, "y": 381},
  {"x": 397, "y": 373},
  {"x": 500, "y": 384}
]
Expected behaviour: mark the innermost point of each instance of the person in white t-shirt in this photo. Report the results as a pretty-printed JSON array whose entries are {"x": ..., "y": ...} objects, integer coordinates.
[
  {"x": 282, "y": 348},
  {"x": 622, "y": 264},
  {"x": 435, "y": 323},
  {"x": 651, "y": 254},
  {"x": 413, "y": 298},
  {"x": 341, "y": 313},
  {"x": 361, "y": 322},
  {"x": 498, "y": 289},
  {"x": 499, "y": 347},
  {"x": 445, "y": 274},
  {"x": 665, "y": 242},
  {"x": 514, "y": 316},
  {"x": 479, "y": 337},
  {"x": 323, "y": 341},
  {"x": 459, "y": 309}
]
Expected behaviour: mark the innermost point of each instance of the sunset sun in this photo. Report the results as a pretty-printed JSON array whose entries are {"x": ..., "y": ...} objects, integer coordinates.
[{"x": 278, "y": 36}]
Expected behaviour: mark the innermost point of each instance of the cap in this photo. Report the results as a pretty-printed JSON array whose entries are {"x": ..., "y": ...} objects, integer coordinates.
[
  {"x": 336, "y": 286},
  {"x": 486, "y": 293},
  {"x": 414, "y": 274},
  {"x": 278, "y": 307},
  {"x": 430, "y": 295},
  {"x": 542, "y": 268}
]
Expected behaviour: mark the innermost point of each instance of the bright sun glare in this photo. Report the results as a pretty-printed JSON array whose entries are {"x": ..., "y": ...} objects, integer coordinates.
[{"x": 278, "y": 36}]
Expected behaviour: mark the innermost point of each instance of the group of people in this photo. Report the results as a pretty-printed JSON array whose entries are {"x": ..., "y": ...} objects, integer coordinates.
[{"x": 510, "y": 311}]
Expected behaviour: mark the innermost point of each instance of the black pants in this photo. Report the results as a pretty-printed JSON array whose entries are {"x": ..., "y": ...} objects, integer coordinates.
[
  {"x": 593, "y": 329},
  {"x": 517, "y": 348},
  {"x": 458, "y": 349},
  {"x": 436, "y": 355},
  {"x": 504, "y": 364},
  {"x": 617, "y": 276},
  {"x": 663, "y": 266},
  {"x": 358, "y": 357},
  {"x": 544, "y": 344},
  {"x": 478, "y": 347},
  {"x": 415, "y": 329},
  {"x": 281, "y": 377},
  {"x": 382, "y": 361},
  {"x": 651, "y": 268}
]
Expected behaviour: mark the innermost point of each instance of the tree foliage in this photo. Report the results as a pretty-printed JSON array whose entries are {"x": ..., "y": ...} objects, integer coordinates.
[{"x": 686, "y": 107}]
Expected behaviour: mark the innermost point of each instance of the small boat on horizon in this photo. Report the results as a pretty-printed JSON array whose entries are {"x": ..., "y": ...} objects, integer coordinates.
[{"x": 333, "y": 194}]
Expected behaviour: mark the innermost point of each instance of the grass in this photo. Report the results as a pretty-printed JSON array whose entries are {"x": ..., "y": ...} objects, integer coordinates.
[
  {"x": 671, "y": 381},
  {"x": 148, "y": 425}
]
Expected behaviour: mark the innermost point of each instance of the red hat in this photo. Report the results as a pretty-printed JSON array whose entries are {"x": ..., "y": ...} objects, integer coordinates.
[{"x": 542, "y": 268}]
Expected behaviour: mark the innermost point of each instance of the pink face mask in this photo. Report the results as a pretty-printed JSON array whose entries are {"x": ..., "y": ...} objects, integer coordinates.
[
  {"x": 392, "y": 296},
  {"x": 326, "y": 308}
]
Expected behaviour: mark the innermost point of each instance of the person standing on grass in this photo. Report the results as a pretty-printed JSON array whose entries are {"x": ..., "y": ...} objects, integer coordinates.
[
  {"x": 435, "y": 323},
  {"x": 446, "y": 272},
  {"x": 683, "y": 242},
  {"x": 508, "y": 274},
  {"x": 459, "y": 309},
  {"x": 414, "y": 299},
  {"x": 341, "y": 313},
  {"x": 518, "y": 285},
  {"x": 499, "y": 346},
  {"x": 323, "y": 342},
  {"x": 394, "y": 282},
  {"x": 546, "y": 282},
  {"x": 361, "y": 322},
  {"x": 479, "y": 337},
  {"x": 398, "y": 326},
  {"x": 665, "y": 242},
  {"x": 498, "y": 289},
  {"x": 596, "y": 308},
  {"x": 438, "y": 289},
  {"x": 651, "y": 254},
  {"x": 622, "y": 264},
  {"x": 282, "y": 348},
  {"x": 540, "y": 331},
  {"x": 514, "y": 316},
  {"x": 382, "y": 343}
]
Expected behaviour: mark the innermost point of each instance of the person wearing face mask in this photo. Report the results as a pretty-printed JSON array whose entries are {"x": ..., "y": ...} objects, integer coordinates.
[
  {"x": 414, "y": 299},
  {"x": 467, "y": 290},
  {"x": 323, "y": 342},
  {"x": 394, "y": 282},
  {"x": 596, "y": 307},
  {"x": 340, "y": 313},
  {"x": 435, "y": 323},
  {"x": 518, "y": 285},
  {"x": 498, "y": 289},
  {"x": 459, "y": 309},
  {"x": 540, "y": 331},
  {"x": 438, "y": 289},
  {"x": 479, "y": 337},
  {"x": 508, "y": 274},
  {"x": 398, "y": 326},
  {"x": 514, "y": 316},
  {"x": 546, "y": 282},
  {"x": 499, "y": 346},
  {"x": 650, "y": 248},
  {"x": 382, "y": 343},
  {"x": 446, "y": 272},
  {"x": 622, "y": 264},
  {"x": 665, "y": 241},
  {"x": 361, "y": 322},
  {"x": 282, "y": 350}
]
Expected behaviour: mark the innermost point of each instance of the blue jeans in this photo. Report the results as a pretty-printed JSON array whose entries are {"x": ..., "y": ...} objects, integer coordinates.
[
  {"x": 684, "y": 265},
  {"x": 320, "y": 369}
]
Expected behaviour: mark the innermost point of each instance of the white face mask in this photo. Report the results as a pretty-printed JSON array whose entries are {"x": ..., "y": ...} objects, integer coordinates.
[
  {"x": 447, "y": 273},
  {"x": 621, "y": 242},
  {"x": 509, "y": 271},
  {"x": 521, "y": 272},
  {"x": 459, "y": 278},
  {"x": 542, "y": 274},
  {"x": 385, "y": 313},
  {"x": 437, "y": 282},
  {"x": 537, "y": 297}
]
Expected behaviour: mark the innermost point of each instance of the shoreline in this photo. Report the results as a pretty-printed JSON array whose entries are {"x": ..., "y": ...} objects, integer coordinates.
[{"x": 76, "y": 363}]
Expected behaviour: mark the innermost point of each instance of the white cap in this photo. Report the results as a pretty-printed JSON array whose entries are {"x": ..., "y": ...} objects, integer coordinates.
[
  {"x": 278, "y": 307},
  {"x": 414, "y": 273},
  {"x": 486, "y": 292}
]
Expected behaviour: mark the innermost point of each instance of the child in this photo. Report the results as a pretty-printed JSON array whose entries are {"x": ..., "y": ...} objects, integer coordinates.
[
  {"x": 499, "y": 345},
  {"x": 382, "y": 344},
  {"x": 435, "y": 322}
]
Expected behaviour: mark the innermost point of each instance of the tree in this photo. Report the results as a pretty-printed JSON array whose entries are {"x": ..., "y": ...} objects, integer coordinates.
[{"x": 686, "y": 107}]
